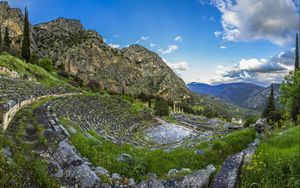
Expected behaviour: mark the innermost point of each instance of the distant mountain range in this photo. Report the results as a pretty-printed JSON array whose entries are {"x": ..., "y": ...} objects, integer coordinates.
[{"x": 242, "y": 94}]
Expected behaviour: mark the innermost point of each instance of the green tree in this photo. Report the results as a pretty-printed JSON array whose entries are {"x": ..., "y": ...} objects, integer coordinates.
[
  {"x": 270, "y": 107},
  {"x": 47, "y": 64},
  {"x": 0, "y": 40},
  {"x": 290, "y": 89},
  {"x": 6, "y": 41},
  {"x": 26, "y": 38},
  {"x": 290, "y": 94},
  {"x": 161, "y": 107},
  {"x": 297, "y": 66}
]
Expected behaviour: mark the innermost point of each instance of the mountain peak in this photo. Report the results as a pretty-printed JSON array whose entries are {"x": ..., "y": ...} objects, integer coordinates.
[{"x": 71, "y": 25}]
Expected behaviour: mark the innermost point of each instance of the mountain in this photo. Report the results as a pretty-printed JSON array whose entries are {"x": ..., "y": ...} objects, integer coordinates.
[
  {"x": 258, "y": 100},
  {"x": 245, "y": 95},
  {"x": 84, "y": 55}
]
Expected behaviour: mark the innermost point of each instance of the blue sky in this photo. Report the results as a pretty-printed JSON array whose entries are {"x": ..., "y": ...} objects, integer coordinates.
[{"x": 216, "y": 41}]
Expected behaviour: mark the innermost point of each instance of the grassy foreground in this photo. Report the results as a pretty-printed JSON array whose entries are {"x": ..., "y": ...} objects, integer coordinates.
[
  {"x": 25, "y": 168},
  {"x": 104, "y": 153},
  {"x": 276, "y": 163}
]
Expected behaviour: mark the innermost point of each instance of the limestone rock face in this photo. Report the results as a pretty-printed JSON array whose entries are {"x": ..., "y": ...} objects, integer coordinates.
[
  {"x": 83, "y": 53},
  {"x": 133, "y": 70},
  {"x": 12, "y": 18}
]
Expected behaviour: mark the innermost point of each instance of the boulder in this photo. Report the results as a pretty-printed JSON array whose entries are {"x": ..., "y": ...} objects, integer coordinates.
[
  {"x": 185, "y": 171},
  {"x": 7, "y": 152},
  {"x": 198, "y": 179},
  {"x": 124, "y": 157},
  {"x": 66, "y": 156},
  {"x": 81, "y": 175},
  {"x": 116, "y": 177},
  {"x": 261, "y": 125},
  {"x": 131, "y": 182},
  {"x": 101, "y": 171},
  {"x": 229, "y": 174},
  {"x": 199, "y": 152},
  {"x": 154, "y": 182},
  {"x": 172, "y": 172}
]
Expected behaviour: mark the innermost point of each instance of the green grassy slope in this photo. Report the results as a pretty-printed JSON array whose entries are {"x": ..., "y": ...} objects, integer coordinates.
[{"x": 276, "y": 163}]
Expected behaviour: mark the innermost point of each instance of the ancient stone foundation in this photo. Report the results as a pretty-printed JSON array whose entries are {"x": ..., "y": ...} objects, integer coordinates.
[{"x": 6, "y": 114}]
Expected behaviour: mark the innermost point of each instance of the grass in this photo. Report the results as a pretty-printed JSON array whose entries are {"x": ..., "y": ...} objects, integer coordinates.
[
  {"x": 30, "y": 70},
  {"x": 276, "y": 163},
  {"x": 104, "y": 153},
  {"x": 25, "y": 167}
]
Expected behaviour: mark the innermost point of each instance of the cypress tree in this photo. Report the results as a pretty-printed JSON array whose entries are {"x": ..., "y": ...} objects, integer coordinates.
[
  {"x": 270, "y": 107},
  {"x": 6, "y": 41},
  {"x": 296, "y": 97},
  {"x": 26, "y": 38},
  {"x": 0, "y": 40},
  {"x": 297, "y": 54}
]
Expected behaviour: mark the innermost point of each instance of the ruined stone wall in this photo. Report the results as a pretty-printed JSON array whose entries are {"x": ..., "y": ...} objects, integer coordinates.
[{"x": 6, "y": 117}]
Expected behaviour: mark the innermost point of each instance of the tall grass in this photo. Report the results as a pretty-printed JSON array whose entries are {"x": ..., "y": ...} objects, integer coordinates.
[{"x": 276, "y": 162}]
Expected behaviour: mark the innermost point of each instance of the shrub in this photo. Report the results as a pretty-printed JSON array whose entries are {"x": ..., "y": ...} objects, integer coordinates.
[
  {"x": 250, "y": 120},
  {"x": 47, "y": 64},
  {"x": 161, "y": 108}
]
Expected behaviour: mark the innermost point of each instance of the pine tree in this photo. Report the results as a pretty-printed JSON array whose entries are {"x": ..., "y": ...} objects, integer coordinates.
[
  {"x": 270, "y": 107},
  {"x": 6, "y": 41},
  {"x": 297, "y": 55},
  {"x": 296, "y": 97},
  {"x": 26, "y": 39}
]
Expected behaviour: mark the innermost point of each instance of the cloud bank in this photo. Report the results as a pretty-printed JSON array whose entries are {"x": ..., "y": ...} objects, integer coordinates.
[
  {"x": 260, "y": 71},
  {"x": 245, "y": 20}
]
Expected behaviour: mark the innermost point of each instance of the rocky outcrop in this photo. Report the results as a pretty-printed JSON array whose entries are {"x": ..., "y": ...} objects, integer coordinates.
[
  {"x": 133, "y": 70},
  {"x": 12, "y": 18},
  {"x": 229, "y": 174},
  {"x": 261, "y": 125},
  {"x": 83, "y": 53}
]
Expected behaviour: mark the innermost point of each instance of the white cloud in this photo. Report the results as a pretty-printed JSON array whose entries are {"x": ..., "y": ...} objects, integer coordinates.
[
  {"x": 180, "y": 66},
  {"x": 114, "y": 45},
  {"x": 142, "y": 38},
  {"x": 217, "y": 33},
  {"x": 170, "y": 49},
  {"x": 273, "y": 20},
  {"x": 152, "y": 44},
  {"x": 223, "y": 47},
  {"x": 212, "y": 19},
  {"x": 178, "y": 38},
  {"x": 261, "y": 71}
]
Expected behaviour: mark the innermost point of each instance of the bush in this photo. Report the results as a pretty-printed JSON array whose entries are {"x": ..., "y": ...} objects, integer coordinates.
[
  {"x": 47, "y": 64},
  {"x": 161, "y": 108},
  {"x": 250, "y": 120}
]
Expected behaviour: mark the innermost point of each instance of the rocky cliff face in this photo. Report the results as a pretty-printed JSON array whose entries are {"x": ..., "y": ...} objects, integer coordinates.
[
  {"x": 83, "y": 53},
  {"x": 12, "y": 18}
]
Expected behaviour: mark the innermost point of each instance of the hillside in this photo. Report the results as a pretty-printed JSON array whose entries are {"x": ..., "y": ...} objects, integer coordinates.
[
  {"x": 244, "y": 95},
  {"x": 83, "y": 54},
  {"x": 64, "y": 138}
]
